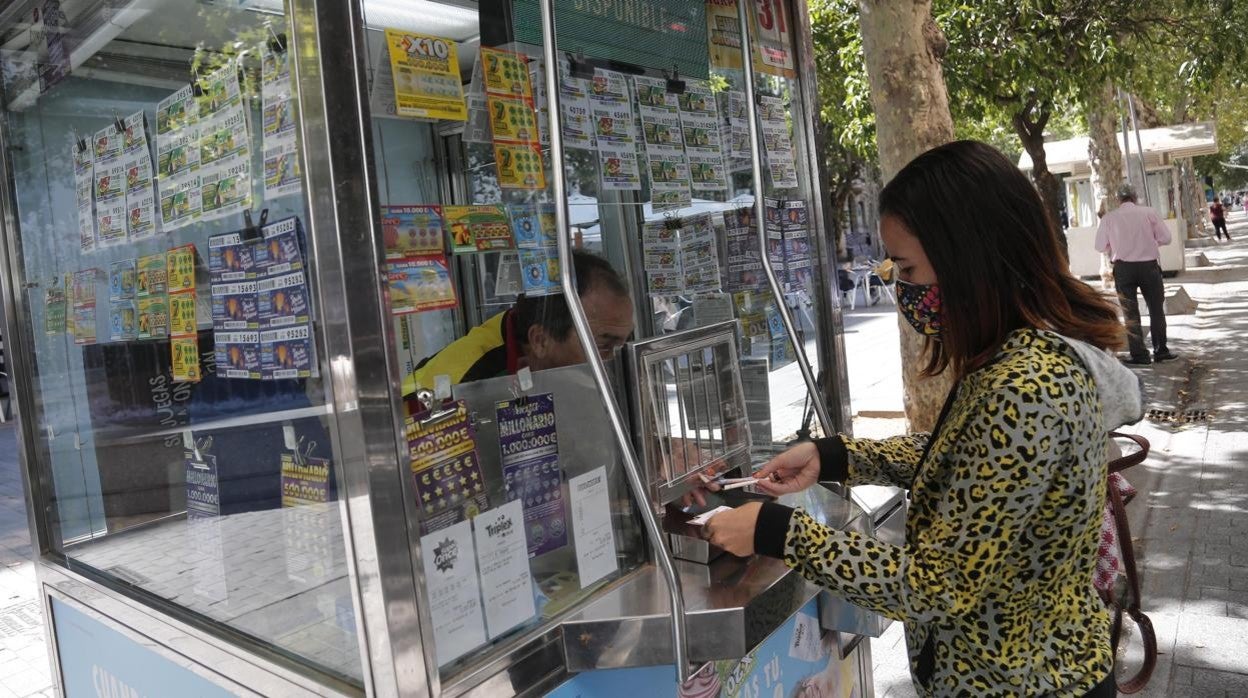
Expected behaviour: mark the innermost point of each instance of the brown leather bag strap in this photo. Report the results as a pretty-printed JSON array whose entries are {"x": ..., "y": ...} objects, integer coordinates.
[
  {"x": 1147, "y": 635},
  {"x": 1134, "y": 459}
]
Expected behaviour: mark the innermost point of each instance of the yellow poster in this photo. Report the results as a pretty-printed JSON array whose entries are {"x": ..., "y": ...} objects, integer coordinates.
[
  {"x": 181, "y": 262},
  {"x": 506, "y": 73},
  {"x": 513, "y": 120},
  {"x": 519, "y": 166},
  {"x": 723, "y": 29},
  {"x": 770, "y": 30},
  {"x": 427, "y": 83},
  {"x": 182, "y": 320},
  {"x": 69, "y": 295},
  {"x": 185, "y": 359}
]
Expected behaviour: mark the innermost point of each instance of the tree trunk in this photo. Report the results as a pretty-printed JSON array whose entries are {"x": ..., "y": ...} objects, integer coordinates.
[
  {"x": 1104, "y": 156},
  {"x": 1192, "y": 194},
  {"x": 1104, "y": 153},
  {"x": 1030, "y": 132},
  {"x": 902, "y": 49}
]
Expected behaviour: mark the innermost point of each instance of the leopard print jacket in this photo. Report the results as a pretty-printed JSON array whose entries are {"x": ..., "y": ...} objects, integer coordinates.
[{"x": 994, "y": 583}]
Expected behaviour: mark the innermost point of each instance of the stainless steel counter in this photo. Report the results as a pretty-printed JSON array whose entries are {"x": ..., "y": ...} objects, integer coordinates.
[{"x": 732, "y": 604}]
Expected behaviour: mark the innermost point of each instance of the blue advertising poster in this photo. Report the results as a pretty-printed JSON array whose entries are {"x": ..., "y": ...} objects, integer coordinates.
[
  {"x": 99, "y": 661},
  {"x": 793, "y": 661}
]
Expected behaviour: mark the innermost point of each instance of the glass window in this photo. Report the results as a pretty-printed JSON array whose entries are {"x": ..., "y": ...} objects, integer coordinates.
[
  {"x": 463, "y": 166},
  {"x": 1081, "y": 203},
  {"x": 1162, "y": 194},
  {"x": 168, "y": 299}
]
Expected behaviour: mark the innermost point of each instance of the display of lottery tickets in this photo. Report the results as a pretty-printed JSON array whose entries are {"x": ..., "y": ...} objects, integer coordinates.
[
  {"x": 681, "y": 256},
  {"x": 513, "y": 120},
  {"x": 528, "y": 442},
  {"x": 177, "y": 159},
  {"x": 445, "y": 466},
  {"x": 261, "y": 306},
  {"x": 141, "y": 201},
  {"x": 280, "y": 148}
]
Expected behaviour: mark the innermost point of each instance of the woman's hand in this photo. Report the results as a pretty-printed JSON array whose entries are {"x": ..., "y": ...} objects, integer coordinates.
[
  {"x": 791, "y": 471},
  {"x": 734, "y": 530}
]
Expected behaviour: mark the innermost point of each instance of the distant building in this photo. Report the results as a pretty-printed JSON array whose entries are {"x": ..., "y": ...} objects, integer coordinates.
[{"x": 1164, "y": 148}]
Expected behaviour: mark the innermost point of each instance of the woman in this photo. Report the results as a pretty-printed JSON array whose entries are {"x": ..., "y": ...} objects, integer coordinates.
[{"x": 994, "y": 582}]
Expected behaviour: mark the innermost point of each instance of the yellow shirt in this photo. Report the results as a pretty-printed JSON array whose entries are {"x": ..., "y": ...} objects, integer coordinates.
[{"x": 480, "y": 354}]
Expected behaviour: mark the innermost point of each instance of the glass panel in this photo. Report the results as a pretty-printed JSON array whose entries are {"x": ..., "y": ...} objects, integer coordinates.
[
  {"x": 1081, "y": 203},
  {"x": 521, "y": 481},
  {"x": 1161, "y": 191},
  {"x": 654, "y": 106},
  {"x": 168, "y": 296}
]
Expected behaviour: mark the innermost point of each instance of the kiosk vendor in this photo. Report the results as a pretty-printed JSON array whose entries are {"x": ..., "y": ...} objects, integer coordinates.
[{"x": 536, "y": 332}]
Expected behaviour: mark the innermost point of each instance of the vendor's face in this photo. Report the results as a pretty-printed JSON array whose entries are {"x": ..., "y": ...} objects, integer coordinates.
[
  {"x": 610, "y": 319},
  {"x": 906, "y": 252}
]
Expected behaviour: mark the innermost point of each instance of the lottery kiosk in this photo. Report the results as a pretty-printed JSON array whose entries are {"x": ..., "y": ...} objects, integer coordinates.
[{"x": 234, "y": 234}]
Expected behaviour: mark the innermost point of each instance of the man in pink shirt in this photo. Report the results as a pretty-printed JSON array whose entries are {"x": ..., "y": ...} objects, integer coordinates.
[{"x": 1133, "y": 235}]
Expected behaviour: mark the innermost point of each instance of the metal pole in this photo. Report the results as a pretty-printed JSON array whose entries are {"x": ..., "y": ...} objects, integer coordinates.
[
  {"x": 632, "y": 470},
  {"x": 1139, "y": 148},
  {"x": 760, "y": 213},
  {"x": 1126, "y": 138}
]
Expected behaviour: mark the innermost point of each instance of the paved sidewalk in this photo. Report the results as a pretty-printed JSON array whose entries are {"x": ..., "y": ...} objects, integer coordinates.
[
  {"x": 1190, "y": 520},
  {"x": 24, "y": 667}
]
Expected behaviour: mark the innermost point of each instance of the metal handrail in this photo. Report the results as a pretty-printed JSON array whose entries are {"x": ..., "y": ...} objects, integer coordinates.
[
  {"x": 680, "y": 642},
  {"x": 760, "y": 215}
]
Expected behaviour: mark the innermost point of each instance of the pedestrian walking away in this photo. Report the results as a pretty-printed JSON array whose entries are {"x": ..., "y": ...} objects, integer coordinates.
[
  {"x": 1217, "y": 214},
  {"x": 1132, "y": 235}
]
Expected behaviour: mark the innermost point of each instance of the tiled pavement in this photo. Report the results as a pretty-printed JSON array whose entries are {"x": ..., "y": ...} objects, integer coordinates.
[
  {"x": 1190, "y": 521},
  {"x": 24, "y": 667}
]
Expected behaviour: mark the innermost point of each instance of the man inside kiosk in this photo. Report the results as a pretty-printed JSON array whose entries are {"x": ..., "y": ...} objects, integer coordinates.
[{"x": 536, "y": 332}]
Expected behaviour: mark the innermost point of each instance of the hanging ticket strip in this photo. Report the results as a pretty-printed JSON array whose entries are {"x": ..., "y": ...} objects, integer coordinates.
[
  {"x": 84, "y": 306},
  {"x": 680, "y": 256},
  {"x": 183, "y": 318},
  {"x": 773, "y": 123},
  {"x": 788, "y": 237},
  {"x": 261, "y": 308},
  {"x": 615, "y": 135},
  {"x": 282, "y": 176},
  {"x": 661, "y": 129},
  {"x": 513, "y": 120}
]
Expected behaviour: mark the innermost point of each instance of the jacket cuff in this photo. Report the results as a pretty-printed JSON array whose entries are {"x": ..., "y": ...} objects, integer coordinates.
[
  {"x": 772, "y": 529},
  {"x": 833, "y": 459}
]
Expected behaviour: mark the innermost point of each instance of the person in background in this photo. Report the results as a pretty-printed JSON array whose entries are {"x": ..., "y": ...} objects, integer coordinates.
[
  {"x": 1217, "y": 215},
  {"x": 1007, "y": 492},
  {"x": 536, "y": 332},
  {"x": 1132, "y": 235}
]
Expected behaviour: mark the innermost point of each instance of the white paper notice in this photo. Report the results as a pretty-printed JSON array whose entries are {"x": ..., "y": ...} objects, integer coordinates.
[
  {"x": 591, "y": 526},
  {"x": 454, "y": 595},
  {"x": 807, "y": 643},
  {"x": 503, "y": 558},
  {"x": 578, "y": 125}
]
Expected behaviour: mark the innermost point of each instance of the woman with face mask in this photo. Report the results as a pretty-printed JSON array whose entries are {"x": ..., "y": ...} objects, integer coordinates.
[{"x": 994, "y": 581}]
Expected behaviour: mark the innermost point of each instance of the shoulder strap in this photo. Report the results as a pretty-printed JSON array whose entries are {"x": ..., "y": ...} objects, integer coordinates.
[{"x": 1123, "y": 527}]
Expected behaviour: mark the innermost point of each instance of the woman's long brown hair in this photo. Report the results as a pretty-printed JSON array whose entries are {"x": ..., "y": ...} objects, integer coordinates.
[{"x": 997, "y": 257}]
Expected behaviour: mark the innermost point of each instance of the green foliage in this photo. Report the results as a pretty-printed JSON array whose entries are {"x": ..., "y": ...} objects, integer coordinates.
[{"x": 845, "y": 110}]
